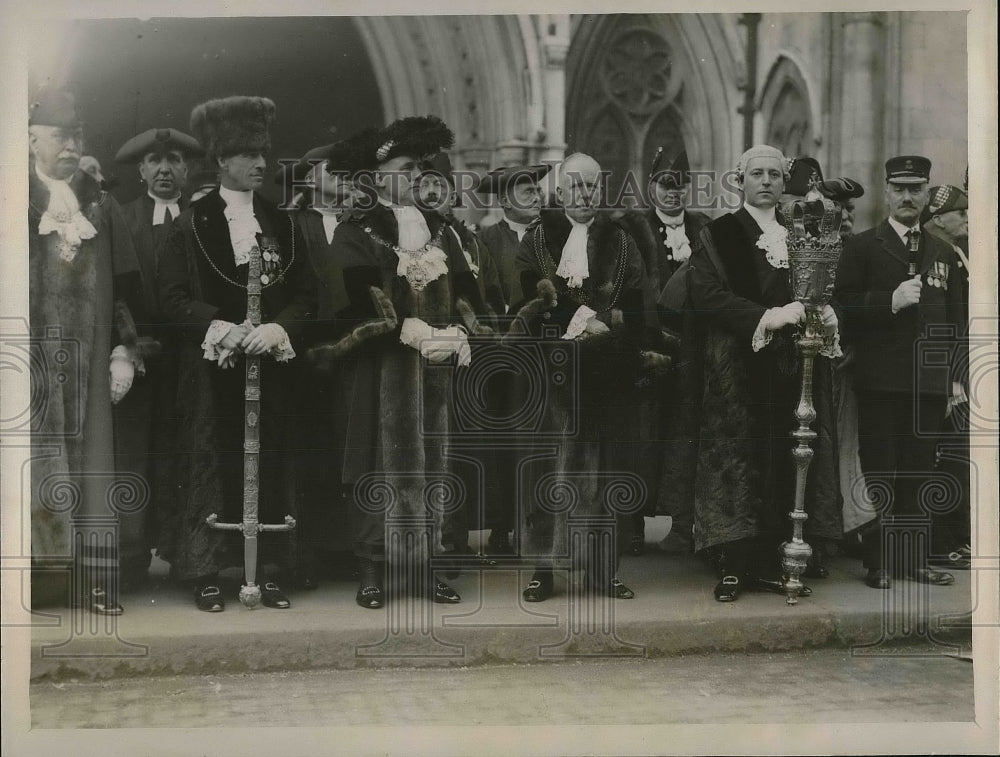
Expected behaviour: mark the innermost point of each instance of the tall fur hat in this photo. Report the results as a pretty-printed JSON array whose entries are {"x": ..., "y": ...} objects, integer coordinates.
[{"x": 231, "y": 125}]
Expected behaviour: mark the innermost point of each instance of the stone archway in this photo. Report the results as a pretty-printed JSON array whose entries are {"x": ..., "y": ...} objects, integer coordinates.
[
  {"x": 785, "y": 110},
  {"x": 640, "y": 81}
]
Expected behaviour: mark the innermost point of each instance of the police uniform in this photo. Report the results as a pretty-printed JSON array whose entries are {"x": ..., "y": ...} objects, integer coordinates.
[{"x": 901, "y": 383}]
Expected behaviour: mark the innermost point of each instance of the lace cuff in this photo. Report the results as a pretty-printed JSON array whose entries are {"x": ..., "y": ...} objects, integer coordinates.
[
  {"x": 215, "y": 334},
  {"x": 831, "y": 346},
  {"x": 579, "y": 322},
  {"x": 762, "y": 335},
  {"x": 283, "y": 352},
  {"x": 124, "y": 353}
]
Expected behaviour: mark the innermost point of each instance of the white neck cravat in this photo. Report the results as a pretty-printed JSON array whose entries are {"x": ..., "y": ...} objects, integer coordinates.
[
  {"x": 330, "y": 222},
  {"x": 676, "y": 235},
  {"x": 161, "y": 206},
  {"x": 518, "y": 228},
  {"x": 243, "y": 225},
  {"x": 419, "y": 266},
  {"x": 413, "y": 230},
  {"x": 63, "y": 217},
  {"x": 573, "y": 265},
  {"x": 773, "y": 241}
]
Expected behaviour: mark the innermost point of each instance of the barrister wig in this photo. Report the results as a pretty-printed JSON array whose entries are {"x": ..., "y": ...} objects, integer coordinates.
[
  {"x": 418, "y": 137},
  {"x": 232, "y": 125}
]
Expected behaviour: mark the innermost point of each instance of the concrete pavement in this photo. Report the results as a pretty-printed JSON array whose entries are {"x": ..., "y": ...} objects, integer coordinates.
[{"x": 674, "y": 613}]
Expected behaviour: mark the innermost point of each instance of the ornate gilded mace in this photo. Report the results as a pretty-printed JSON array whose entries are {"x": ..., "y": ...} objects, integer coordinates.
[
  {"x": 251, "y": 526},
  {"x": 814, "y": 248}
]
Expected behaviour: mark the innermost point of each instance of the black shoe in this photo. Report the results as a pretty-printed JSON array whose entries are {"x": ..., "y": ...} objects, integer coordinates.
[
  {"x": 274, "y": 597},
  {"x": 777, "y": 587},
  {"x": 618, "y": 590},
  {"x": 728, "y": 589},
  {"x": 101, "y": 604},
  {"x": 960, "y": 559},
  {"x": 371, "y": 594},
  {"x": 933, "y": 577},
  {"x": 878, "y": 579},
  {"x": 539, "y": 588},
  {"x": 208, "y": 598},
  {"x": 445, "y": 595}
]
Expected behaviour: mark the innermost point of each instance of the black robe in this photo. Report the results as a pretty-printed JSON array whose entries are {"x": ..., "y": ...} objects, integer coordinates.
[
  {"x": 208, "y": 474},
  {"x": 744, "y": 481},
  {"x": 145, "y": 424},
  {"x": 595, "y": 452}
]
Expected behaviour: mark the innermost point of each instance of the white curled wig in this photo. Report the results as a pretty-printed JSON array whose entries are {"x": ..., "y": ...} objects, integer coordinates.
[{"x": 762, "y": 151}]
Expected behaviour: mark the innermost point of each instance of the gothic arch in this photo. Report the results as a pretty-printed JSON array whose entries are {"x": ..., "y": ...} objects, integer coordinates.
[
  {"x": 786, "y": 110},
  {"x": 472, "y": 71},
  {"x": 672, "y": 74}
]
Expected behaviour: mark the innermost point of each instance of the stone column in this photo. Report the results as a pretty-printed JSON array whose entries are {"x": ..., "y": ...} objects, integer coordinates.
[
  {"x": 863, "y": 112},
  {"x": 554, "y": 33}
]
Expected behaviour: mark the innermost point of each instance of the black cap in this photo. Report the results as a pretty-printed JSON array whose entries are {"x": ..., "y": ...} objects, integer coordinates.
[
  {"x": 907, "y": 169},
  {"x": 674, "y": 177},
  {"x": 54, "y": 107},
  {"x": 841, "y": 189},
  {"x": 157, "y": 140}
]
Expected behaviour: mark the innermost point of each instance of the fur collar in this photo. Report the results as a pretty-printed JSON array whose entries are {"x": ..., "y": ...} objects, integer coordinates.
[{"x": 86, "y": 188}]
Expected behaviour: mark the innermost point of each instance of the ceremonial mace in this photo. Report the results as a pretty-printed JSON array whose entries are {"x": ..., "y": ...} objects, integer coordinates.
[
  {"x": 814, "y": 248},
  {"x": 251, "y": 526}
]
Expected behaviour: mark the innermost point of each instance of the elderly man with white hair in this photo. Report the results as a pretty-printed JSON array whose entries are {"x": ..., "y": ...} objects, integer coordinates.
[
  {"x": 740, "y": 292},
  {"x": 583, "y": 279}
]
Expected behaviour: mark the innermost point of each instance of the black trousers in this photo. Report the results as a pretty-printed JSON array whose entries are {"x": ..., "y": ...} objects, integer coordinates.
[{"x": 897, "y": 444}]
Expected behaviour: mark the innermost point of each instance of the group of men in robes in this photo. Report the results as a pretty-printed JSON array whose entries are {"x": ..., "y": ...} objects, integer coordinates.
[{"x": 373, "y": 307}]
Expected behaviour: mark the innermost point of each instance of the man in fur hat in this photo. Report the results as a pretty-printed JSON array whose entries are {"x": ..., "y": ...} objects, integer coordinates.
[
  {"x": 144, "y": 423},
  {"x": 404, "y": 271},
  {"x": 84, "y": 282},
  {"x": 582, "y": 276},
  {"x": 203, "y": 294}
]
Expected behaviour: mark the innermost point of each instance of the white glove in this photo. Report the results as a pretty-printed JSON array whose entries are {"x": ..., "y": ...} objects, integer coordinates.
[
  {"x": 122, "y": 372},
  {"x": 263, "y": 339},
  {"x": 595, "y": 326},
  {"x": 789, "y": 315},
  {"x": 829, "y": 317},
  {"x": 437, "y": 345}
]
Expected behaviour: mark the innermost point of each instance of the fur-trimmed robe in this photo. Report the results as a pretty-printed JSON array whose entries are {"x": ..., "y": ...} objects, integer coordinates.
[
  {"x": 745, "y": 475},
  {"x": 400, "y": 404},
  {"x": 584, "y": 415},
  {"x": 208, "y": 472},
  {"x": 74, "y": 319}
]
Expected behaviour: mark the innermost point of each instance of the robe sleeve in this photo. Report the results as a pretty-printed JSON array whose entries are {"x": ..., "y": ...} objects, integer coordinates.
[
  {"x": 713, "y": 301},
  {"x": 300, "y": 310},
  {"x": 175, "y": 287}
]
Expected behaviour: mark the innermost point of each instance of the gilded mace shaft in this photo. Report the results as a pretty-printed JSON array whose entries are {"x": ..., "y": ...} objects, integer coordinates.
[
  {"x": 250, "y": 593},
  {"x": 814, "y": 249}
]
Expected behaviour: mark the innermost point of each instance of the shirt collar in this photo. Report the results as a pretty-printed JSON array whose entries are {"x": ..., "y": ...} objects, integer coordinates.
[
  {"x": 900, "y": 229},
  {"x": 235, "y": 198},
  {"x": 763, "y": 216},
  {"x": 161, "y": 201},
  {"x": 677, "y": 220}
]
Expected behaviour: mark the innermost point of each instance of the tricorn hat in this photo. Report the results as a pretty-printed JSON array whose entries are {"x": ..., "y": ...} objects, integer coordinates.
[
  {"x": 231, "y": 125},
  {"x": 674, "y": 177},
  {"x": 54, "y": 106},
  {"x": 841, "y": 189},
  {"x": 806, "y": 175},
  {"x": 157, "y": 140},
  {"x": 499, "y": 180}
]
